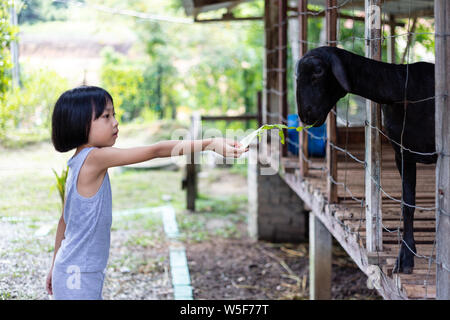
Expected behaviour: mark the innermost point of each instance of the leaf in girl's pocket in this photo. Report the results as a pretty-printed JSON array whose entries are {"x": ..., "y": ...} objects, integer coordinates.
[{"x": 61, "y": 182}]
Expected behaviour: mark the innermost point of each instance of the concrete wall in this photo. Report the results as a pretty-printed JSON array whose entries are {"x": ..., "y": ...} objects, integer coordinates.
[{"x": 276, "y": 213}]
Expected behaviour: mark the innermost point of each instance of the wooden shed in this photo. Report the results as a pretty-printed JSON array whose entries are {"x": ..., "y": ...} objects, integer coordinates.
[{"x": 354, "y": 192}]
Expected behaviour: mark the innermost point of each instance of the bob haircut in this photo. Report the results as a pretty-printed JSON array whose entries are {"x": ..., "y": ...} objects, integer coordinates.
[{"x": 72, "y": 116}]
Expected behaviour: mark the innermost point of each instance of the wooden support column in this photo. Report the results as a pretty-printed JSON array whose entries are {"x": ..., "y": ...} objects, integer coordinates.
[
  {"x": 442, "y": 128},
  {"x": 374, "y": 240},
  {"x": 282, "y": 68},
  {"x": 270, "y": 79},
  {"x": 193, "y": 163},
  {"x": 331, "y": 25},
  {"x": 259, "y": 107},
  {"x": 391, "y": 42},
  {"x": 303, "y": 48},
  {"x": 319, "y": 260},
  {"x": 265, "y": 94}
]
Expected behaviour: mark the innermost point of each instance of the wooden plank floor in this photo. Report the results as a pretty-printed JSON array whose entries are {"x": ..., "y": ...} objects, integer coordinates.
[{"x": 346, "y": 220}]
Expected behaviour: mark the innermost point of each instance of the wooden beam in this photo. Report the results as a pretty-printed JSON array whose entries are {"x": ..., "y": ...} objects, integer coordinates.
[
  {"x": 331, "y": 25},
  {"x": 270, "y": 81},
  {"x": 192, "y": 164},
  {"x": 202, "y": 3},
  {"x": 282, "y": 68},
  {"x": 226, "y": 18},
  {"x": 374, "y": 240},
  {"x": 320, "y": 14},
  {"x": 319, "y": 260},
  {"x": 391, "y": 41},
  {"x": 418, "y": 13},
  {"x": 259, "y": 107},
  {"x": 242, "y": 117},
  {"x": 409, "y": 42},
  {"x": 266, "y": 62},
  {"x": 303, "y": 47},
  {"x": 316, "y": 201},
  {"x": 442, "y": 127}
]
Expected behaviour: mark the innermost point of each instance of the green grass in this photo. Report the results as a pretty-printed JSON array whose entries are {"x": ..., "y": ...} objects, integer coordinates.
[
  {"x": 136, "y": 263},
  {"x": 23, "y": 139},
  {"x": 5, "y": 296},
  {"x": 141, "y": 240},
  {"x": 220, "y": 205},
  {"x": 29, "y": 191},
  {"x": 226, "y": 212},
  {"x": 137, "y": 189},
  {"x": 240, "y": 168},
  {"x": 29, "y": 194}
]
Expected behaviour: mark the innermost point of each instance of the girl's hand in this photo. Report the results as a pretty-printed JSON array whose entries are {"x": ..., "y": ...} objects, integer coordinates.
[
  {"x": 226, "y": 147},
  {"x": 48, "y": 283}
]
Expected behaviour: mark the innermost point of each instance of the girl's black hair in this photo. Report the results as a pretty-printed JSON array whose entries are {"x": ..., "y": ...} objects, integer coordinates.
[{"x": 72, "y": 116}]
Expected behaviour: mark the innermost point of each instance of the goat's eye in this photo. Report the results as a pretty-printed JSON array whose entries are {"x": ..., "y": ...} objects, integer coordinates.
[{"x": 318, "y": 72}]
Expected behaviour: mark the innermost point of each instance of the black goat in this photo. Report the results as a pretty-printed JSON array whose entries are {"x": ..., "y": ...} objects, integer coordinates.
[{"x": 326, "y": 74}]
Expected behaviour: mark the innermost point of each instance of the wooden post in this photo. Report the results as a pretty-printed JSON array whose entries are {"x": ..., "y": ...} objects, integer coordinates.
[
  {"x": 14, "y": 48},
  {"x": 374, "y": 239},
  {"x": 319, "y": 260},
  {"x": 391, "y": 43},
  {"x": 282, "y": 67},
  {"x": 331, "y": 25},
  {"x": 266, "y": 62},
  {"x": 259, "y": 108},
  {"x": 270, "y": 99},
  {"x": 192, "y": 164},
  {"x": 442, "y": 119},
  {"x": 303, "y": 32}
]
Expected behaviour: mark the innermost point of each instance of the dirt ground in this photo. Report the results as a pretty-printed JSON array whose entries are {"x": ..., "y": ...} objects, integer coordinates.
[
  {"x": 241, "y": 268},
  {"x": 224, "y": 263},
  {"x": 245, "y": 269}
]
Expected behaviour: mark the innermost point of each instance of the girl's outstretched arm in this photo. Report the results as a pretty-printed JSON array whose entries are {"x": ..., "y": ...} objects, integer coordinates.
[{"x": 104, "y": 158}]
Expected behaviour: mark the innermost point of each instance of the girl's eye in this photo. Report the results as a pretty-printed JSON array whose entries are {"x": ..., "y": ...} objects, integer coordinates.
[{"x": 106, "y": 116}]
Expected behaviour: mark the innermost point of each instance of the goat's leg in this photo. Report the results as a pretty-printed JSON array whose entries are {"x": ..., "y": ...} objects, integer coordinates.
[{"x": 405, "y": 260}]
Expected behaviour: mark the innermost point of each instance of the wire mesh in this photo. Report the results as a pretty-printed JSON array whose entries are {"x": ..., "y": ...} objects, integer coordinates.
[{"x": 349, "y": 155}]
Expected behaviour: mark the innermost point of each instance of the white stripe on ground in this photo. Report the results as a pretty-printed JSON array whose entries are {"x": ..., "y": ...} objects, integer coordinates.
[{"x": 178, "y": 263}]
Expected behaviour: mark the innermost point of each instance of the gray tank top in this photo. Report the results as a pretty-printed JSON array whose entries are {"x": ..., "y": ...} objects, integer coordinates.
[{"x": 88, "y": 223}]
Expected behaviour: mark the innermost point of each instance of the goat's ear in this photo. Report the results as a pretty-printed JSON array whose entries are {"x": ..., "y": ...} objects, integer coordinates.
[{"x": 339, "y": 72}]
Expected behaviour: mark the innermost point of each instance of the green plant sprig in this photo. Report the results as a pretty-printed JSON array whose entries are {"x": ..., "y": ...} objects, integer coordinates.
[
  {"x": 61, "y": 182},
  {"x": 280, "y": 128}
]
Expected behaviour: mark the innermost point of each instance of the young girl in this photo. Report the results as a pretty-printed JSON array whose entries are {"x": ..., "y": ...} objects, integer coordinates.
[{"x": 84, "y": 119}]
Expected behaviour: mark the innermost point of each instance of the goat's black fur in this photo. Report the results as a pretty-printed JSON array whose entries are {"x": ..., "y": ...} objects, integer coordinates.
[{"x": 326, "y": 74}]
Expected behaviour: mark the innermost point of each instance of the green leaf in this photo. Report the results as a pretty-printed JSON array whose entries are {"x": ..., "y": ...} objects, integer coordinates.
[
  {"x": 61, "y": 182},
  {"x": 280, "y": 127}
]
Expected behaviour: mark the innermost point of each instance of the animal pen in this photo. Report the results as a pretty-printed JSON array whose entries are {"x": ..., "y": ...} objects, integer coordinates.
[{"x": 354, "y": 193}]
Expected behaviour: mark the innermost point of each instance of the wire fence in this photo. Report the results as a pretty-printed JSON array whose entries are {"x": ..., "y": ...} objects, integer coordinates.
[
  {"x": 348, "y": 154},
  {"x": 273, "y": 88}
]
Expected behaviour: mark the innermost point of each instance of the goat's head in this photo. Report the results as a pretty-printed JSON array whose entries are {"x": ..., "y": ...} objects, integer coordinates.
[{"x": 321, "y": 82}]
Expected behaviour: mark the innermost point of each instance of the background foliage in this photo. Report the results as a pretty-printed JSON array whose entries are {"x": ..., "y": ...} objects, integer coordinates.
[
  {"x": 179, "y": 68},
  {"x": 7, "y": 33}
]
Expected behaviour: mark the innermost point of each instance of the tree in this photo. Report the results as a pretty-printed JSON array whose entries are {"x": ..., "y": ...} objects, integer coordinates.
[
  {"x": 7, "y": 34},
  {"x": 33, "y": 11}
]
